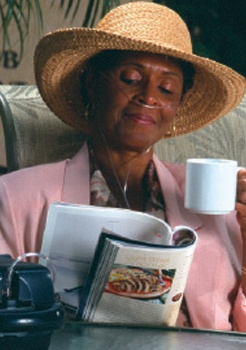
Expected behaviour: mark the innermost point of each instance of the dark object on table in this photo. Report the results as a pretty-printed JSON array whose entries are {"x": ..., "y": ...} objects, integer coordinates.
[{"x": 29, "y": 311}]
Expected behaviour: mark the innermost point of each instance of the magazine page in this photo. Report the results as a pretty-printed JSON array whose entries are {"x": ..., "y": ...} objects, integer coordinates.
[
  {"x": 71, "y": 235},
  {"x": 142, "y": 283}
]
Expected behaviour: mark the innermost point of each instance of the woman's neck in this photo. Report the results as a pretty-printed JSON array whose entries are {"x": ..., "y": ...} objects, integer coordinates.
[{"x": 124, "y": 172}]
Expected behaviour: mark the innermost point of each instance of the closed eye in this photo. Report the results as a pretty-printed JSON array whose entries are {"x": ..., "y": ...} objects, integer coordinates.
[
  {"x": 129, "y": 81},
  {"x": 165, "y": 91}
]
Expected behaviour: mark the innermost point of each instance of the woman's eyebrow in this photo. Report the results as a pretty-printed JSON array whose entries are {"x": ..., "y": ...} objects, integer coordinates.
[
  {"x": 164, "y": 72},
  {"x": 134, "y": 64}
]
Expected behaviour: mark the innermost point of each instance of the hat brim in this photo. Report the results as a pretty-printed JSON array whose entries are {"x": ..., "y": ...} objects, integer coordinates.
[{"x": 61, "y": 55}]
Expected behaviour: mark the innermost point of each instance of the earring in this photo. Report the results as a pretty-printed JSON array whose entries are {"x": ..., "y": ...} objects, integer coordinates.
[
  {"x": 171, "y": 132},
  {"x": 174, "y": 130}
]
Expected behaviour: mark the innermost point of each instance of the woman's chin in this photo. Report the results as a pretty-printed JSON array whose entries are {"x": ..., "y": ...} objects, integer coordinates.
[{"x": 139, "y": 147}]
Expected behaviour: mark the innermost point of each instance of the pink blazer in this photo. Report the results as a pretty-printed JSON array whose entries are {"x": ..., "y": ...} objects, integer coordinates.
[{"x": 213, "y": 293}]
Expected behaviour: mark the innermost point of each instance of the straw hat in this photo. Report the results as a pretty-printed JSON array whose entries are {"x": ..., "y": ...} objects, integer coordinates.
[{"x": 137, "y": 26}]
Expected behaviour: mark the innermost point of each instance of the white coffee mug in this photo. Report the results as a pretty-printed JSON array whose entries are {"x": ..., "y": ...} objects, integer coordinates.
[{"x": 211, "y": 185}]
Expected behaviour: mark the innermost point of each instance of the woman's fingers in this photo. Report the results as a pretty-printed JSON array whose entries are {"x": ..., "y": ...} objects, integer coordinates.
[
  {"x": 241, "y": 186},
  {"x": 241, "y": 200}
]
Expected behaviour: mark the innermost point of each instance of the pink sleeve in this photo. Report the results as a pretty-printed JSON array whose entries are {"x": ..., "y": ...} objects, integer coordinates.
[
  {"x": 8, "y": 232},
  {"x": 239, "y": 305},
  {"x": 25, "y": 196},
  {"x": 239, "y": 312}
]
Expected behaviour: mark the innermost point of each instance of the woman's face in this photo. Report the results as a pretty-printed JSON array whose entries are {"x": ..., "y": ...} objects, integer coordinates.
[{"x": 135, "y": 102}]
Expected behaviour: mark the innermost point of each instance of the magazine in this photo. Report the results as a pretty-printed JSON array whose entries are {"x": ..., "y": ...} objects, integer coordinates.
[{"x": 98, "y": 252}]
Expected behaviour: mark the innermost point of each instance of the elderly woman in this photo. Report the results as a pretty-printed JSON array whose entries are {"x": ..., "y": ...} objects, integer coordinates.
[{"x": 128, "y": 83}]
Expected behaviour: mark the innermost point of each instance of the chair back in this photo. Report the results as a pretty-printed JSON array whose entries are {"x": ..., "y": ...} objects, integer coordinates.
[
  {"x": 225, "y": 138},
  {"x": 34, "y": 135}
]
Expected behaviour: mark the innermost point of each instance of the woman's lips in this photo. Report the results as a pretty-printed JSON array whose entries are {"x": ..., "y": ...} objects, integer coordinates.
[{"x": 141, "y": 119}]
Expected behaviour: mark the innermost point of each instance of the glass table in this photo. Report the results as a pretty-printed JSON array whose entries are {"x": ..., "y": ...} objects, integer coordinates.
[{"x": 81, "y": 336}]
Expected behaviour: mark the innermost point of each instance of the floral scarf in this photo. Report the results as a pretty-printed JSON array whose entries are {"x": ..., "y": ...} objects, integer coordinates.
[{"x": 100, "y": 194}]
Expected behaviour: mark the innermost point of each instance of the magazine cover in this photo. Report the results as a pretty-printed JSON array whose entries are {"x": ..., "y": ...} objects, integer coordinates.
[{"x": 137, "y": 282}]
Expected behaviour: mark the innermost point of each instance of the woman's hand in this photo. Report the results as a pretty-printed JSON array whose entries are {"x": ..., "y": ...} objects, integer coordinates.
[
  {"x": 241, "y": 217},
  {"x": 241, "y": 201}
]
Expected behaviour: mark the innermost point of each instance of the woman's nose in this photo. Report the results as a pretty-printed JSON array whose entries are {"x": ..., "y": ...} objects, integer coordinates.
[{"x": 146, "y": 95}]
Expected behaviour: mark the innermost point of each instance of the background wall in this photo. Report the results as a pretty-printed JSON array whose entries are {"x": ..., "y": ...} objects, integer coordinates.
[{"x": 13, "y": 72}]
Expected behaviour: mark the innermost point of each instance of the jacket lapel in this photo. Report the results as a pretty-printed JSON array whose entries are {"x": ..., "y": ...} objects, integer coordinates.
[
  {"x": 174, "y": 198},
  {"x": 77, "y": 183},
  {"x": 76, "y": 188}
]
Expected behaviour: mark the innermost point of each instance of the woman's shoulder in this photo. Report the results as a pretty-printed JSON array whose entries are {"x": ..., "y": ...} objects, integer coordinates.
[{"x": 34, "y": 177}]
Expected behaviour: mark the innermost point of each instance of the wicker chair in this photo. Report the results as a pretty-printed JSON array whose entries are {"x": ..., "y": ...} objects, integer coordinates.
[{"x": 34, "y": 135}]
